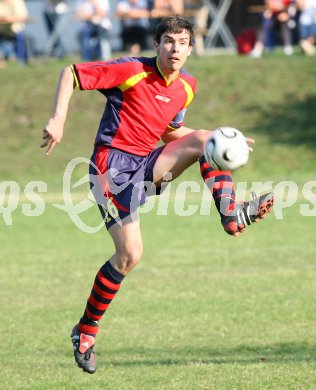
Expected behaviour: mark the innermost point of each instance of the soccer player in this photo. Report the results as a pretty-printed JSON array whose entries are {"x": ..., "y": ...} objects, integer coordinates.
[{"x": 146, "y": 101}]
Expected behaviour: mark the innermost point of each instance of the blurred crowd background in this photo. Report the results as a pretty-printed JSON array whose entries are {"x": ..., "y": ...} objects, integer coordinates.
[{"x": 95, "y": 29}]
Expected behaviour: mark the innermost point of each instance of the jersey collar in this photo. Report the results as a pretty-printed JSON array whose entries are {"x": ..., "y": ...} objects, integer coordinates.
[{"x": 163, "y": 76}]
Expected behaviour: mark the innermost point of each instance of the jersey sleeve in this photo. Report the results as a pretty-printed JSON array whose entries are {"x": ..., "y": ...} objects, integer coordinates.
[
  {"x": 178, "y": 120},
  {"x": 190, "y": 88},
  {"x": 105, "y": 74}
]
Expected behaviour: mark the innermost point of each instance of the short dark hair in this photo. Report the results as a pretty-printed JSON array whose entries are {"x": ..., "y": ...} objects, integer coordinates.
[{"x": 174, "y": 24}]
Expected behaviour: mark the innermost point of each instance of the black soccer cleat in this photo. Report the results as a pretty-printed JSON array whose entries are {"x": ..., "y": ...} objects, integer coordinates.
[
  {"x": 84, "y": 353},
  {"x": 246, "y": 213}
]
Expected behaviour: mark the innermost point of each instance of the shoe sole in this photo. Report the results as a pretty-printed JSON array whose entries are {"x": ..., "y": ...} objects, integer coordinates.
[
  {"x": 266, "y": 207},
  {"x": 84, "y": 368}
]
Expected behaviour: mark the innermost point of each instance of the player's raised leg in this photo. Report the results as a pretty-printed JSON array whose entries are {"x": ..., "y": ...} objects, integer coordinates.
[
  {"x": 128, "y": 251},
  {"x": 221, "y": 186},
  {"x": 234, "y": 216},
  {"x": 181, "y": 153}
]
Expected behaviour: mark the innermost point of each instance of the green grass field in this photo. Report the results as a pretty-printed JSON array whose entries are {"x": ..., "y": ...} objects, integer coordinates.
[{"x": 202, "y": 310}]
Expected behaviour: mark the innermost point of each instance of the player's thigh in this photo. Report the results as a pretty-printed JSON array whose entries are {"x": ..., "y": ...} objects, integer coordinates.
[
  {"x": 180, "y": 154},
  {"x": 128, "y": 240}
]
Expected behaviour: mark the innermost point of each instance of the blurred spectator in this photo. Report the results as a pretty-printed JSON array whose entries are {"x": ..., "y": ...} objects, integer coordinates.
[
  {"x": 52, "y": 11},
  {"x": 164, "y": 8},
  {"x": 14, "y": 43},
  {"x": 135, "y": 24},
  {"x": 246, "y": 41},
  {"x": 307, "y": 25},
  {"x": 199, "y": 11},
  {"x": 277, "y": 14},
  {"x": 95, "y": 33}
]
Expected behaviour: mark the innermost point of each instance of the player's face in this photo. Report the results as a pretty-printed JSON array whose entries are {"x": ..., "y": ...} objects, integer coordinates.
[{"x": 173, "y": 51}]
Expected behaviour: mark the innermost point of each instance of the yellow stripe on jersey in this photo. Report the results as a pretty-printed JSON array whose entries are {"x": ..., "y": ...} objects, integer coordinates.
[
  {"x": 164, "y": 77},
  {"x": 189, "y": 91},
  {"x": 75, "y": 76},
  {"x": 129, "y": 83}
]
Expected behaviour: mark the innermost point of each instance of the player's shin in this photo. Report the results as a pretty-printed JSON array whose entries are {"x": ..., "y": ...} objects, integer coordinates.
[
  {"x": 106, "y": 285},
  {"x": 221, "y": 186}
]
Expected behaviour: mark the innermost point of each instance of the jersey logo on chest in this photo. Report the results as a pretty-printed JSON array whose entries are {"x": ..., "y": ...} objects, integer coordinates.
[{"x": 163, "y": 98}]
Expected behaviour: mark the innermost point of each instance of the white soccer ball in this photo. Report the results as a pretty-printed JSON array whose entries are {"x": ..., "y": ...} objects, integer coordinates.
[{"x": 226, "y": 149}]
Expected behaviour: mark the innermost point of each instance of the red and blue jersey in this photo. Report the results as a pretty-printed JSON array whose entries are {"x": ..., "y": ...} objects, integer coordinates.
[{"x": 140, "y": 105}]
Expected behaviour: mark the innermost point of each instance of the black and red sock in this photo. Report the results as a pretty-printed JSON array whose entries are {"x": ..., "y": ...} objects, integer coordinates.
[
  {"x": 221, "y": 186},
  {"x": 106, "y": 285}
]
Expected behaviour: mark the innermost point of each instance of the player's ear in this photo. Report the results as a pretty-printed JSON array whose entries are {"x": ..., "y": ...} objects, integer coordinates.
[
  {"x": 190, "y": 50},
  {"x": 156, "y": 46}
]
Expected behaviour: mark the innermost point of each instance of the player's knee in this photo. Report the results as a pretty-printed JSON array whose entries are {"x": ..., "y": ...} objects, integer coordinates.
[
  {"x": 129, "y": 257},
  {"x": 200, "y": 137},
  {"x": 203, "y": 135},
  {"x": 133, "y": 257}
]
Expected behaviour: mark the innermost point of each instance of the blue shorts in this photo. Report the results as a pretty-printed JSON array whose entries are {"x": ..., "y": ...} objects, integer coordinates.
[
  {"x": 308, "y": 30},
  {"x": 120, "y": 182}
]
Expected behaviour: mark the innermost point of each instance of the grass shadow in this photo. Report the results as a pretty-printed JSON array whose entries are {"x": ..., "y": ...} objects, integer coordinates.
[
  {"x": 292, "y": 123},
  {"x": 243, "y": 354}
]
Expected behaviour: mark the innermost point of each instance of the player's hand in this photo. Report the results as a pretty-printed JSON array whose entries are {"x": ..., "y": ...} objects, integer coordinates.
[
  {"x": 52, "y": 134},
  {"x": 250, "y": 141}
]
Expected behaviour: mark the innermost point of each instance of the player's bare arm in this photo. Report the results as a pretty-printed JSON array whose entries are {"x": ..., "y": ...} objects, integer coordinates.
[
  {"x": 53, "y": 131},
  {"x": 171, "y": 134}
]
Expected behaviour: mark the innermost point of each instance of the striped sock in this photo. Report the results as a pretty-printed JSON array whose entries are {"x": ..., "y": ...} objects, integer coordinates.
[
  {"x": 106, "y": 285},
  {"x": 221, "y": 186}
]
